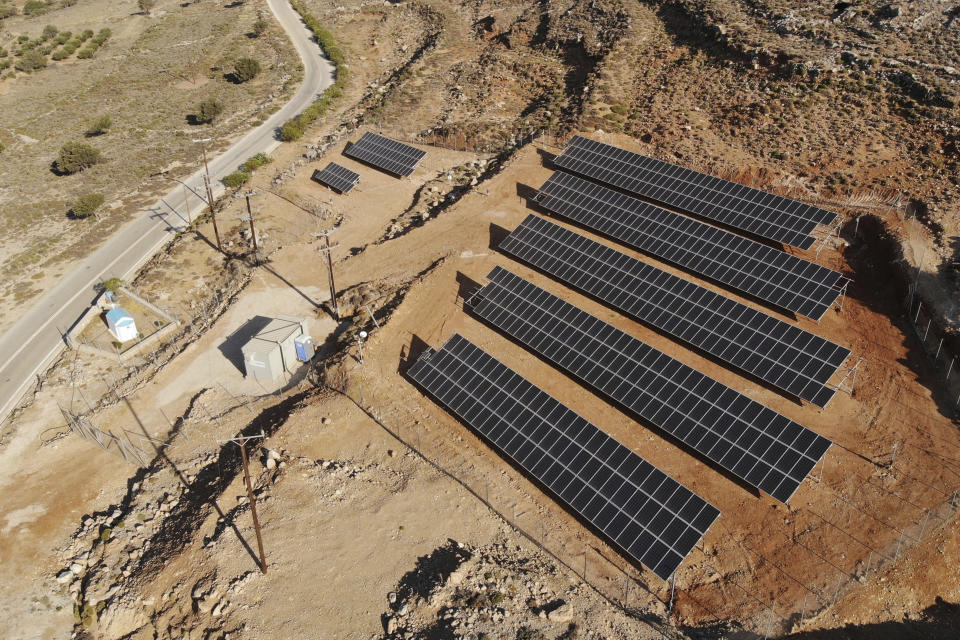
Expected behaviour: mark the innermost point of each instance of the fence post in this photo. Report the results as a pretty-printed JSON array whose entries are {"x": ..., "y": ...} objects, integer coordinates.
[
  {"x": 947, "y": 379},
  {"x": 929, "y": 321},
  {"x": 837, "y": 592},
  {"x": 896, "y": 554},
  {"x": 938, "y": 349},
  {"x": 923, "y": 527},
  {"x": 803, "y": 611}
]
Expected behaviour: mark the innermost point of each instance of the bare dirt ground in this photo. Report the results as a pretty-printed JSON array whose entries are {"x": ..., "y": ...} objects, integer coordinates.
[{"x": 382, "y": 515}]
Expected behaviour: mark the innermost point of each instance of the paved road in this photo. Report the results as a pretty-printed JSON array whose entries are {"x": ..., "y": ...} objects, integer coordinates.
[{"x": 36, "y": 338}]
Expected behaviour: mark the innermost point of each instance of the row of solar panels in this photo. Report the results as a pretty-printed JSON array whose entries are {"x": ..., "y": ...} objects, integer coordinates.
[
  {"x": 647, "y": 514},
  {"x": 758, "y": 212}
]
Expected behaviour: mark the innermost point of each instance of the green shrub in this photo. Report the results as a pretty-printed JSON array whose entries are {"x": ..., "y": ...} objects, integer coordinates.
[
  {"x": 62, "y": 37},
  {"x": 255, "y": 162},
  {"x": 208, "y": 110},
  {"x": 85, "y": 53},
  {"x": 236, "y": 179},
  {"x": 86, "y": 35},
  {"x": 619, "y": 109},
  {"x": 246, "y": 69},
  {"x": 76, "y": 156},
  {"x": 2, "y": 147},
  {"x": 259, "y": 27},
  {"x": 35, "y": 8},
  {"x": 113, "y": 285},
  {"x": 32, "y": 60},
  {"x": 291, "y": 130},
  {"x": 7, "y": 11},
  {"x": 61, "y": 54},
  {"x": 87, "y": 205},
  {"x": 100, "y": 126},
  {"x": 88, "y": 615},
  {"x": 146, "y": 5},
  {"x": 4, "y": 53},
  {"x": 105, "y": 534},
  {"x": 23, "y": 38},
  {"x": 49, "y": 31}
]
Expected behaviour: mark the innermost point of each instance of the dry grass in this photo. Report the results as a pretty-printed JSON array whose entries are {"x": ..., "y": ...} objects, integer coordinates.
[{"x": 148, "y": 77}]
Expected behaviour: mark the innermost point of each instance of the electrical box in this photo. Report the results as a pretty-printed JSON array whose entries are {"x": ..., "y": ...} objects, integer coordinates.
[{"x": 305, "y": 348}]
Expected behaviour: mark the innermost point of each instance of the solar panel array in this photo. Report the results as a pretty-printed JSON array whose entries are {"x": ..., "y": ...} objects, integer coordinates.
[
  {"x": 758, "y": 212},
  {"x": 336, "y": 177},
  {"x": 775, "y": 351},
  {"x": 646, "y": 513},
  {"x": 765, "y": 273},
  {"x": 752, "y": 442},
  {"x": 394, "y": 157}
]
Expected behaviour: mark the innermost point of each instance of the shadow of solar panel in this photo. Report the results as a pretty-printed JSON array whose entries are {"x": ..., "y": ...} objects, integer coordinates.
[
  {"x": 758, "y": 212},
  {"x": 646, "y": 513},
  {"x": 775, "y": 351},
  {"x": 336, "y": 177},
  {"x": 765, "y": 273},
  {"x": 393, "y": 157},
  {"x": 756, "y": 444}
]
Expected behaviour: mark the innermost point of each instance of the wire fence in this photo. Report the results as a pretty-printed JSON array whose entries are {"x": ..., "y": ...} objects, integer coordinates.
[{"x": 937, "y": 346}]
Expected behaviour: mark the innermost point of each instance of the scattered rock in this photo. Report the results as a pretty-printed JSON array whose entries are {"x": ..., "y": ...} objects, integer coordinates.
[
  {"x": 65, "y": 576},
  {"x": 562, "y": 614}
]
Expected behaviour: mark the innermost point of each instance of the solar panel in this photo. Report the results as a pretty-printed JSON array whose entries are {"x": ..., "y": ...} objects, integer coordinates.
[
  {"x": 645, "y": 512},
  {"x": 760, "y": 446},
  {"x": 775, "y": 351},
  {"x": 758, "y": 212},
  {"x": 336, "y": 177},
  {"x": 765, "y": 273},
  {"x": 391, "y": 156}
]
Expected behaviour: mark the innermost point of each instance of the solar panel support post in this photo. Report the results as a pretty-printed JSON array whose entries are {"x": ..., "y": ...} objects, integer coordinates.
[
  {"x": 803, "y": 610},
  {"x": 673, "y": 587}
]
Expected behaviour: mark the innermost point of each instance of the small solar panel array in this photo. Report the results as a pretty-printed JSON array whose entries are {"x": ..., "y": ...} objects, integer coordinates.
[
  {"x": 645, "y": 512},
  {"x": 787, "y": 281},
  {"x": 763, "y": 214},
  {"x": 754, "y": 443},
  {"x": 336, "y": 177},
  {"x": 393, "y": 157},
  {"x": 775, "y": 351}
]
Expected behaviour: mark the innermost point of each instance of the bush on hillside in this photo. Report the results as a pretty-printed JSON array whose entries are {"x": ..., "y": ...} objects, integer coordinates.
[
  {"x": 246, "y": 69},
  {"x": 208, "y": 110},
  {"x": 87, "y": 205},
  {"x": 76, "y": 156}
]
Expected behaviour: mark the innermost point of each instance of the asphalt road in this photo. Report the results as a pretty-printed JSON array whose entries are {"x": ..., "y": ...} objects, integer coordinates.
[{"x": 35, "y": 339}]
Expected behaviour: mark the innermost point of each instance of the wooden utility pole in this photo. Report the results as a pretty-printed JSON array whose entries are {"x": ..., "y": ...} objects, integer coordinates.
[
  {"x": 253, "y": 503},
  {"x": 249, "y": 216},
  {"x": 333, "y": 286},
  {"x": 206, "y": 183}
]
